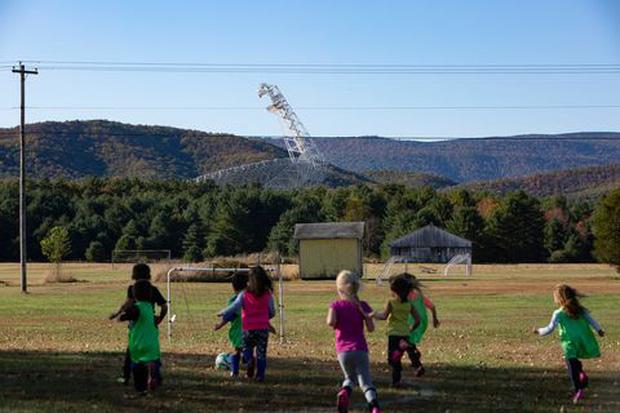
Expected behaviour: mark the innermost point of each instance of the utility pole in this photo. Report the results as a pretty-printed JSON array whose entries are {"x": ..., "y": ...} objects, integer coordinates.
[{"x": 21, "y": 69}]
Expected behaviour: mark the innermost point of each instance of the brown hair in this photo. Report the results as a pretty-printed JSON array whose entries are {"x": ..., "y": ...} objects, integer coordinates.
[
  {"x": 141, "y": 271},
  {"x": 401, "y": 287},
  {"x": 258, "y": 281},
  {"x": 416, "y": 284},
  {"x": 568, "y": 298}
]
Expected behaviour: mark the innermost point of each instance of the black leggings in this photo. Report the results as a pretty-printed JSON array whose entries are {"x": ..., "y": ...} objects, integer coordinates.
[
  {"x": 395, "y": 362},
  {"x": 574, "y": 370}
]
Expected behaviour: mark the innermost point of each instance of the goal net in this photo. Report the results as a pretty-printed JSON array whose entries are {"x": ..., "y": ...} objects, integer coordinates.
[{"x": 196, "y": 294}]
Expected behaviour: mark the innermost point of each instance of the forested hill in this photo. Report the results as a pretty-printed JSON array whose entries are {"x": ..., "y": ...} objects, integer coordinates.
[
  {"x": 581, "y": 183},
  {"x": 467, "y": 160},
  {"x": 103, "y": 148}
]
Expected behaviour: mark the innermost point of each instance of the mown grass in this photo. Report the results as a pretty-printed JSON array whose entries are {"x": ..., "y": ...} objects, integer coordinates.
[{"x": 58, "y": 351}]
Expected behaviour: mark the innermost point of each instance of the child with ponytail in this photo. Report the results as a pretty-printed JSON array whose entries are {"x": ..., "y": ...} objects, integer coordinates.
[{"x": 578, "y": 342}]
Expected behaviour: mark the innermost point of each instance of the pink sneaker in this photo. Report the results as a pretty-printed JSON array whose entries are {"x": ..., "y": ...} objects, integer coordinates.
[
  {"x": 583, "y": 379},
  {"x": 375, "y": 410},
  {"x": 578, "y": 396},
  {"x": 343, "y": 401}
]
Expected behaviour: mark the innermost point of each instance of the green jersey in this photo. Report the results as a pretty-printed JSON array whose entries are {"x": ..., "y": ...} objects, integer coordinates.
[
  {"x": 576, "y": 337},
  {"x": 398, "y": 320},
  {"x": 415, "y": 337},
  {"x": 235, "y": 334},
  {"x": 144, "y": 336}
]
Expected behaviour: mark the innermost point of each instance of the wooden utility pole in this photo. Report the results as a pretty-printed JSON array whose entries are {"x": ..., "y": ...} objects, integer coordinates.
[{"x": 21, "y": 69}]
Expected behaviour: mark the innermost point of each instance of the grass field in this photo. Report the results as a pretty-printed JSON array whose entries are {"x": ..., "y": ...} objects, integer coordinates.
[{"x": 58, "y": 351}]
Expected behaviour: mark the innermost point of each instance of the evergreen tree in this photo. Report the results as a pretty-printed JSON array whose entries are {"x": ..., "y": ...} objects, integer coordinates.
[
  {"x": 555, "y": 236},
  {"x": 516, "y": 229},
  {"x": 607, "y": 229},
  {"x": 95, "y": 252}
]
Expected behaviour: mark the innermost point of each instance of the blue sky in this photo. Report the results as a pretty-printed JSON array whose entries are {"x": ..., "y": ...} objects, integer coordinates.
[{"x": 448, "y": 32}]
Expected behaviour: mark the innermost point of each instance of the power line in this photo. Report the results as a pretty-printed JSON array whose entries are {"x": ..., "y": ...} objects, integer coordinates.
[
  {"x": 317, "y": 108},
  {"x": 331, "y": 69}
]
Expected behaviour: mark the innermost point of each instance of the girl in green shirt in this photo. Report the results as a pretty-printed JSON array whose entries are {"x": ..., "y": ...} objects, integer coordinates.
[
  {"x": 573, "y": 322},
  {"x": 397, "y": 311}
]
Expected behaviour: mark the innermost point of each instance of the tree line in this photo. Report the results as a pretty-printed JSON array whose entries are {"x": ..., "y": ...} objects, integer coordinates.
[{"x": 200, "y": 220}]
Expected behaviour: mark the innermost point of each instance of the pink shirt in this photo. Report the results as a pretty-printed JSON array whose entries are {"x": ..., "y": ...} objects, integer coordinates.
[
  {"x": 255, "y": 313},
  {"x": 350, "y": 326}
]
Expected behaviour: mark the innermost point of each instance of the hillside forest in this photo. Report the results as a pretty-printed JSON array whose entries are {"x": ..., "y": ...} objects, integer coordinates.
[{"x": 200, "y": 220}]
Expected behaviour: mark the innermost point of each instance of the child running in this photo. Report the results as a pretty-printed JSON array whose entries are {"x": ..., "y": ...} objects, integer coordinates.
[
  {"x": 421, "y": 303},
  {"x": 143, "y": 339},
  {"x": 140, "y": 271},
  {"x": 397, "y": 312},
  {"x": 239, "y": 282},
  {"x": 347, "y": 316},
  {"x": 578, "y": 342},
  {"x": 257, "y": 307}
]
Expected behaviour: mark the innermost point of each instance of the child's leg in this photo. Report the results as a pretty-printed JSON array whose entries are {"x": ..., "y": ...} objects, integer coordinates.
[
  {"x": 574, "y": 371},
  {"x": 347, "y": 364},
  {"x": 140, "y": 377},
  {"x": 127, "y": 366},
  {"x": 236, "y": 358},
  {"x": 262, "y": 339},
  {"x": 414, "y": 355},
  {"x": 249, "y": 343},
  {"x": 394, "y": 356},
  {"x": 365, "y": 380}
]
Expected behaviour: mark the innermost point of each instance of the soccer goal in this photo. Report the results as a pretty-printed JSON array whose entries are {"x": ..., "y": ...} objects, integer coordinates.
[
  {"x": 187, "y": 300},
  {"x": 460, "y": 262},
  {"x": 136, "y": 256}
]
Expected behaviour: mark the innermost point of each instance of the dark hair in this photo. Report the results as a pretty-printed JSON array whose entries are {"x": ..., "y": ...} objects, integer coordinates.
[
  {"x": 142, "y": 290},
  {"x": 141, "y": 272},
  {"x": 239, "y": 280},
  {"x": 568, "y": 298},
  {"x": 258, "y": 281},
  {"x": 411, "y": 279},
  {"x": 402, "y": 287}
]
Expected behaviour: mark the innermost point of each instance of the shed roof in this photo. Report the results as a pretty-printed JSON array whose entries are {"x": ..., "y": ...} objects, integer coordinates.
[
  {"x": 431, "y": 236},
  {"x": 329, "y": 230}
]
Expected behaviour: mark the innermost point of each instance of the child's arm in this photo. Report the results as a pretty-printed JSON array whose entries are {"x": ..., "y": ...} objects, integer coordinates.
[
  {"x": 230, "y": 312},
  {"x": 549, "y": 329},
  {"x": 382, "y": 315},
  {"x": 162, "y": 314},
  {"x": 131, "y": 314},
  {"x": 123, "y": 308},
  {"x": 594, "y": 324},
  {"x": 272, "y": 329},
  {"x": 219, "y": 325},
  {"x": 431, "y": 306},
  {"x": 416, "y": 318},
  {"x": 331, "y": 318},
  {"x": 272, "y": 307}
]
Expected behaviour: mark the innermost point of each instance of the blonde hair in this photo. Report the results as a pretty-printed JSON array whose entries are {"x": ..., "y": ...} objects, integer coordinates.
[
  {"x": 348, "y": 283},
  {"x": 568, "y": 298}
]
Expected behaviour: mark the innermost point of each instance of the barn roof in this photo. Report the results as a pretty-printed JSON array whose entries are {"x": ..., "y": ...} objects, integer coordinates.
[
  {"x": 431, "y": 236},
  {"x": 329, "y": 230}
]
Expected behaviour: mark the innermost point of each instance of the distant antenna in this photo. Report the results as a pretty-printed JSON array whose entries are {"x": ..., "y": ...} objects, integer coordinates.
[{"x": 302, "y": 150}]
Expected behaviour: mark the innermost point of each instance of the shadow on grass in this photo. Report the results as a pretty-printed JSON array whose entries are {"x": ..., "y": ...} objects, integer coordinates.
[{"x": 48, "y": 381}]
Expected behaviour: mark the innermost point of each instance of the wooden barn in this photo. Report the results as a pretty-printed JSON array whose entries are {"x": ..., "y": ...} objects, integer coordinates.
[
  {"x": 327, "y": 248},
  {"x": 430, "y": 245}
]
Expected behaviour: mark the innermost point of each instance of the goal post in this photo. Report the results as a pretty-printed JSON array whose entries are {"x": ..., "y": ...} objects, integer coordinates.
[
  {"x": 136, "y": 256},
  {"x": 172, "y": 316}
]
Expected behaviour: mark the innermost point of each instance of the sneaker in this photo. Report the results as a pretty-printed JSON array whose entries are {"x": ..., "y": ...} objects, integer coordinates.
[
  {"x": 578, "y": 396},
  {"x": 583, "y": 379},
  {"x": 375, "y": 410},
  {"x": 343, "y": 401},
  {"x": 234, "y": 376},
  {"x": 419, "y": 372},
  {"x": 123, "y": 380},
  {"x": 251, "y": 366}
]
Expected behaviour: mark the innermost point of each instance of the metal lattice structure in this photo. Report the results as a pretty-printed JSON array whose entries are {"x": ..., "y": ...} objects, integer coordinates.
[{"x": 305, "y": 165}]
